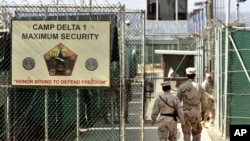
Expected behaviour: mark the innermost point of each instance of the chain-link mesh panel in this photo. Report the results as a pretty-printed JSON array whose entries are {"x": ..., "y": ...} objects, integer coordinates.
[
  {"x": 26, "y": 107},
  {"x": 236, "y": 96},
  {"x": 4, "y": 81},
  {"x": 238, "y": 84},
  {"x": 51, "y": 113},
  {"x": 134, "y": 51}
]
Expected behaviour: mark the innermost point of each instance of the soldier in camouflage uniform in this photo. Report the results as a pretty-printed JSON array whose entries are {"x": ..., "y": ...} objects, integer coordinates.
[
  {"x": 194, "y": 105},
  {"x": 208, "y": 87},
  {"x": 169, "y": 107}
]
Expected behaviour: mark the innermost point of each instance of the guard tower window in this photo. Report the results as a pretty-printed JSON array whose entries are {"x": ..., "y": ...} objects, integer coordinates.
[
  {"x": 151, "y": 9},
  {"x": 166, "y": 9}
]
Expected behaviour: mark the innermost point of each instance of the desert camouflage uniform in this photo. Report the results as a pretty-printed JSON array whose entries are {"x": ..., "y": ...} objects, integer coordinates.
[
  {"x": 194, "y": 103},
  {"x": 210, "y": 101},
  {"x": 167, "y": 126}
]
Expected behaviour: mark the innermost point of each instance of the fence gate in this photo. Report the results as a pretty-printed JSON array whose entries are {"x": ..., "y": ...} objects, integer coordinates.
[{"x": 71, "y": 72}]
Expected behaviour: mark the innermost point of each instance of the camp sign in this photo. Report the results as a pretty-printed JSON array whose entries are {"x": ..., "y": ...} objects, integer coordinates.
[{"x": 60, "y": 53}]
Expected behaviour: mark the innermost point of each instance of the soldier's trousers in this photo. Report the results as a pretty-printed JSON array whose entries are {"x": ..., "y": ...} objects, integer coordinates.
[
  {"x": 167, "y": 131},
  {"x": 194, "y": 129},
  {"x": 210, "y": 109}
]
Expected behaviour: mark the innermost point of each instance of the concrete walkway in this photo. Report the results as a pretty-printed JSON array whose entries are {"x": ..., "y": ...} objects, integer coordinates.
[{"x": 150, "y": 133}]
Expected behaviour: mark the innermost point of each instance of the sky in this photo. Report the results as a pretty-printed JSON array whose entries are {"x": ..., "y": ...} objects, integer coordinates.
[
  {"x": 129, "y": 4},
  {"x": 243, "y": 6}
]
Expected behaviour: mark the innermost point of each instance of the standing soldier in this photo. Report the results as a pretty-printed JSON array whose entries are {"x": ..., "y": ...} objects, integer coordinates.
[
  {"x": 208, "y": 87},
  {"x": 169, "y": 107},
  {"x": 194, "y": 105}
]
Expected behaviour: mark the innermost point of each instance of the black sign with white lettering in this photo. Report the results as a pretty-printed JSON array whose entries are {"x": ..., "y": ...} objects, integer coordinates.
[{"x": 239, "y": 132}]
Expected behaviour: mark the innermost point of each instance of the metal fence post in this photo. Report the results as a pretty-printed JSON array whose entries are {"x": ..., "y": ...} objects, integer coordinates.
[
  {"x": 122, "y": 82},
  {"x": 77, "y": 114},
  {"x": 46, "y": 114}
]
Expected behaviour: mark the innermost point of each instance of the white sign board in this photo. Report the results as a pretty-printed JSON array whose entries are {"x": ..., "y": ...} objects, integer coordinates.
[{"x": 61, "y": 53}]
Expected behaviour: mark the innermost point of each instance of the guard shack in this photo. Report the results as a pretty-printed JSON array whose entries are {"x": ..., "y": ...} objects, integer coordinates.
[{"x": 174, "y": 63}]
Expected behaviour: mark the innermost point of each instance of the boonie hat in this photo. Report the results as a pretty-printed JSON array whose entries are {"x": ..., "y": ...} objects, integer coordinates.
[
  {"x": 165, "y": 83},
  {"x": 191, "y": 70}
]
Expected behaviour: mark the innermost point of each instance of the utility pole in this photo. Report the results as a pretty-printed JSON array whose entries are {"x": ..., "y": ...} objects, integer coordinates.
[
  {"x": 209, "y": 10},
  {"x": 209, "y": 16}
]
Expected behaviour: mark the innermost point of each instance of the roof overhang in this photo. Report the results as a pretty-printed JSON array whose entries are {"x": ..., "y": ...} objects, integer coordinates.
[{"x": 175, "y": 52}]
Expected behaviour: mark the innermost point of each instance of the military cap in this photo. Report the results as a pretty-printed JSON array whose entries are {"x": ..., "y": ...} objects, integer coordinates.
[
  {"x": 208, "y": 75},
  {"x": 191, "y": 70},
  {"x": 165, "y": 83}
]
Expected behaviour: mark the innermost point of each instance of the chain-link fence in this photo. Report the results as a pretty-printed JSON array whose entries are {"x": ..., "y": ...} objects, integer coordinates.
[
  {"x": 232, "y": 78},
  {"x": 87, "y": 113}
]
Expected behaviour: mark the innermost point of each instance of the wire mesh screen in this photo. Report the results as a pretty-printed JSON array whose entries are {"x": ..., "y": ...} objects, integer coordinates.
[
  {"x": 134, "y": 53},
  {"x": 234, "y": 99},
  {"x": 77, "y": 113},
  {"x": 239, "y": 77}
]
